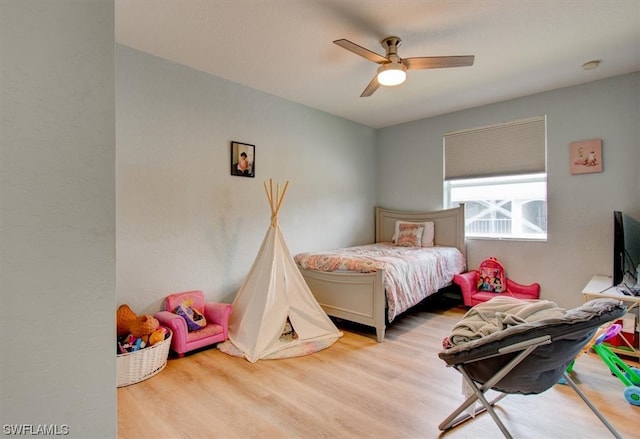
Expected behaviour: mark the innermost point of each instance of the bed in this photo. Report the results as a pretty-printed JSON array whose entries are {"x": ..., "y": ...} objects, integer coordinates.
[{"x": 361, "y": 297}]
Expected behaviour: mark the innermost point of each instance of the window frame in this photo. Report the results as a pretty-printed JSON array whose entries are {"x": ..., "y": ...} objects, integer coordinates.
[
  {"x": 508, "y": 153},
  {"x": 504, "y": 181}
]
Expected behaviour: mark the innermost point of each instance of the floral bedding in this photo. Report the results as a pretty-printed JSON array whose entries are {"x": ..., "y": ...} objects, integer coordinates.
[{"x": 411, "y": 273}]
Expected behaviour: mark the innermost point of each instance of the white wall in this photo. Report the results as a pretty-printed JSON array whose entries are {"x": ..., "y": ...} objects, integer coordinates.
[
  {"x": 183, "y": 222},
  {"x": 57, "y": 365},
  {"x": 580, "y": 207}
]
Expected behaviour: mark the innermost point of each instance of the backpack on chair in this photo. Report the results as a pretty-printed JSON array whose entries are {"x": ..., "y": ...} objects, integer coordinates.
[{"x": 491, "y": 276}]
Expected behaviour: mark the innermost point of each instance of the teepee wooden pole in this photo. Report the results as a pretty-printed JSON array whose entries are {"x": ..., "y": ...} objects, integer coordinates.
[
  {"x": 269, "y": 193},
  {"x": 284, "y": 191},
  {"x": 275, "y": 203}
]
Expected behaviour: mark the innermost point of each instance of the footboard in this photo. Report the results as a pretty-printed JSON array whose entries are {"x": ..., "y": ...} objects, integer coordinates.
[{"x": 356, "y": 297}]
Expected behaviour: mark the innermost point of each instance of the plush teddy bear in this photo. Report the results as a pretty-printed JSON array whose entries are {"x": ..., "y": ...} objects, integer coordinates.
[
  {"x": 157, "y": 336},
  {"x": 124, "y": 316},
  {"x": 127, "y": 322},
  {"x": 143, "y": 325}
]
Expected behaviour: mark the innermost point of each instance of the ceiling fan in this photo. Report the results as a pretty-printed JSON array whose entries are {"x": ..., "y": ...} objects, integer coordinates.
[{"x": 393, "y": 69}]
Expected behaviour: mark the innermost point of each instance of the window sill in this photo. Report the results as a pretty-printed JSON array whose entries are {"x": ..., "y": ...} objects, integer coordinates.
[{"x": 505, "y": 238}]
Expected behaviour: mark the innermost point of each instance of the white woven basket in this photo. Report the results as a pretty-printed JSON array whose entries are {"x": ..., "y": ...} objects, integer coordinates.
[{"x": 137, "y": 366}]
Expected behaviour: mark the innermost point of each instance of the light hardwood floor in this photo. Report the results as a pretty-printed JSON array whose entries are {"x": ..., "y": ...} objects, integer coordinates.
[{"x": 359, "y": 388}]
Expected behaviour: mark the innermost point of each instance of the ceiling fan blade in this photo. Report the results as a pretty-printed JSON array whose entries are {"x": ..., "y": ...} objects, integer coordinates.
[
  {"x": 371, "y": 87},
  {"x": 359, "y": 50},
  {"x": 436, "y": 62}
]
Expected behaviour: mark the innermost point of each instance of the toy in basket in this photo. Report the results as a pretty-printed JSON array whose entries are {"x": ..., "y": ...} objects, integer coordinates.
[{"x": 142, "y": 346}]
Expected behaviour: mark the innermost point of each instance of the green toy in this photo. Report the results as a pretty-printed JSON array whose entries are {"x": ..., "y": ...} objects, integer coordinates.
[{"x": 630, "y": 376}]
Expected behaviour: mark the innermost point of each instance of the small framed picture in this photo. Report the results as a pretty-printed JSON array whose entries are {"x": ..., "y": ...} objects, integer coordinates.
[
  {"x": 243, "y": 159},
  {"x": 586, "y": 156}
]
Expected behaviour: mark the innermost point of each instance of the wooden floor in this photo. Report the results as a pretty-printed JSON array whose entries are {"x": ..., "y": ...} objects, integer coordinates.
[{"x": 359, "y": 388}]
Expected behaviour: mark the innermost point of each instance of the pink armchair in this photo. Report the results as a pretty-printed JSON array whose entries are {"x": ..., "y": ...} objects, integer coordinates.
[
  {"x": 216, "y": 315},
  {"x": 468, "y": 283}
]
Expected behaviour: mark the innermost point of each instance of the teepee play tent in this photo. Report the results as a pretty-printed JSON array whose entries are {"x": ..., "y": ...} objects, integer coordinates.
[{"x": 274, "y": 313}]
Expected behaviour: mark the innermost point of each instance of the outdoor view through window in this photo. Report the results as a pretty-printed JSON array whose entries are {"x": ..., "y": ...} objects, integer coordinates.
[{"x": 502, "y": 207}]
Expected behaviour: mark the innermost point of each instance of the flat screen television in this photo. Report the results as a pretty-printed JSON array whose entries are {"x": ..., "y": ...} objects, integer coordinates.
[{"x": 618, "y": 248}]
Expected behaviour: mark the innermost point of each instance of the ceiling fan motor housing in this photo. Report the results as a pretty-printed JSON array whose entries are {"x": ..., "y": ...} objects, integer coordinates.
[{"x": 391, "y": 45}]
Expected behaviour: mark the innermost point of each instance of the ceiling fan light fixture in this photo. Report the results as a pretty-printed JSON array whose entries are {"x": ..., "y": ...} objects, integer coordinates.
[{"x": 392, "y": 74}]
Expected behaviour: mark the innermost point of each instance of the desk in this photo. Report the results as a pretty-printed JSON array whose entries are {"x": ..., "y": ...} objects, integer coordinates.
[{"x": 601, "y": 287}]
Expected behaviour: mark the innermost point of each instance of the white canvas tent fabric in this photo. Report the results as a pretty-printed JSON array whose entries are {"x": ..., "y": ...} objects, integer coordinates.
[{"x": 273, "y": 292}]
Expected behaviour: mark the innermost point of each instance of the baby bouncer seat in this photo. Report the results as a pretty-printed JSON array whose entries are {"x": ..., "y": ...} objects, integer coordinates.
[{"x": 526, "y": 358}]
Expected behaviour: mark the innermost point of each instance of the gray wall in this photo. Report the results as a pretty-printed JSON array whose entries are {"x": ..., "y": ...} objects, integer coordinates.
[
  {"x": 183, "y": 222},
  {"x": 58, "y": 216},
  {"x": 580, "y": 207}
]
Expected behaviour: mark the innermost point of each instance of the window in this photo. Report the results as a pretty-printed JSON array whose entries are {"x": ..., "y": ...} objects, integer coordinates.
[
  {"x": 505, "y": 191},
  {"x": 502, "y": 207}
]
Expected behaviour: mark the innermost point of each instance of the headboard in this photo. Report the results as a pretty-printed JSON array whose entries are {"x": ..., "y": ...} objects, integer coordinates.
[{"x": 448, "y": 225}]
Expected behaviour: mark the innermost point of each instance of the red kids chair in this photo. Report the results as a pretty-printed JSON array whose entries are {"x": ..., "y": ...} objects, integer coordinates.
[
  {"x": 194, "y": 322},
  {"x": 488, "y": 281}
]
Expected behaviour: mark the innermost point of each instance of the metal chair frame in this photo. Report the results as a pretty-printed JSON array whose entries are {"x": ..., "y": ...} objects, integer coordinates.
[{"x": 524, "y": 348}]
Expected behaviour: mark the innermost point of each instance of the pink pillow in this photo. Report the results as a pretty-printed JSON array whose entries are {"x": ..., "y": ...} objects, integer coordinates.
[{"x": 410, "y": 235}]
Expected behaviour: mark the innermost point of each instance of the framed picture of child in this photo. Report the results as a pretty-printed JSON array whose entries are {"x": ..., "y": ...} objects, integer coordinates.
[
  {"x": 243, "y": 159},
  {"x": 586, "y": 156}
]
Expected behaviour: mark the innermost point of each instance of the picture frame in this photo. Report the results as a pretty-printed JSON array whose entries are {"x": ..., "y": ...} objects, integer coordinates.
[
  {"x": 243, "y": 159},
  {"x": 585, "y": 156}
]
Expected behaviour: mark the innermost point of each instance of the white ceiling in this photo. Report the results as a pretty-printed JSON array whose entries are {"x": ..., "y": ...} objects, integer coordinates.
[{"x": 284, "y": 47}]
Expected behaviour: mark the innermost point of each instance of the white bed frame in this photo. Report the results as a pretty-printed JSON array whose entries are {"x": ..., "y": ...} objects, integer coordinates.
[{"x": 360, "y": 297}]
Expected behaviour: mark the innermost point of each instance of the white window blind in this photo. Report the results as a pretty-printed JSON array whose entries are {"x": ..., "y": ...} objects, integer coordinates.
[{"x": 511, "y": 148}]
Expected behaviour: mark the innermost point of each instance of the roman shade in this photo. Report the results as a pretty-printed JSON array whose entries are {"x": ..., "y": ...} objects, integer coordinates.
[{"x": 511, "y": 148}]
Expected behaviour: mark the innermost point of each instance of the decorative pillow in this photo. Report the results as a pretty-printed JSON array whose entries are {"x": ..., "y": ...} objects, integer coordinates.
[
  {"x": 195, "y": 320},
  {"x": 427, "y": 234},
  {"x": 410, "y": 235}
]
